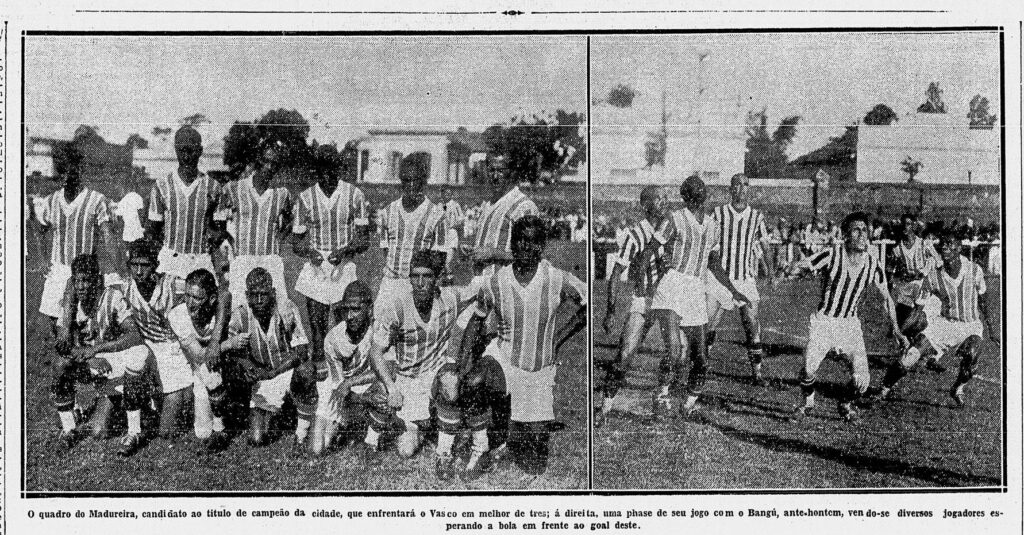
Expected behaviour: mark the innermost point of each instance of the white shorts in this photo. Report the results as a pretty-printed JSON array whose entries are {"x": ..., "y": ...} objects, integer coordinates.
[
  {"x": 944, "y": 334},
  {"x": 720, "y": 294},
  {"x": 204, "y": 381},
  {"x": 54, "y": 285},
  {"x": 906, "y": 293},
  {"x": 416, "y": 395},
  {"x": 269, "y": 394},
  {"x": 841, "y": 334},
  {"x": 640, "y": 305},
  {"x": 533, "y": 393},
  {"x": 330, "y": 408},
  {"x": 181, "y": 265},
  {"x": 173, "y": 370},
  {"x": 683, "y": 294},
  {"x": 389, "y": 289},
  {"x": 243, "y": 264},
  {"x": 325, "y": 283},
  {"x": 131, "y": 360}
]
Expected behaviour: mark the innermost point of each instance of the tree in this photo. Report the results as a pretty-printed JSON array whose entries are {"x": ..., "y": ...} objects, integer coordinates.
[
  {"x": 136, "y": 141},
  {"x": 880, "y": 115},
  {"x": 766, "y": 153},
  {"x": 934, "y": 103},
  {"x": 240, "y": 146},
  {"x": 911, "y": 167},
  {"x": 542, "y": 145},
  {"x": 978, "y": 116},
  {"x": 195, "y": 119},
  {"x": 621, "y": 96},
  {"x": 285, "y": 128},
  {"x": 161, "y": 131}
]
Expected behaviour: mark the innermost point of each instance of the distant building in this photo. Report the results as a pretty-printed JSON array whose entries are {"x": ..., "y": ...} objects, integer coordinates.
[
  {"x": 39, "y": 156},
  {"x": 950, "y": 151},
  {"x": 163, "y": 160},
  {"x": 453, "y": 155},
  {"x": 101, "y": 162}
]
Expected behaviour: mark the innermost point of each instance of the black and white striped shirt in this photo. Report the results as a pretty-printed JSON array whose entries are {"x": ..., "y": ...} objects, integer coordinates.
[
  {"x": 643, "y": 278},
  {"x": 843, "y": 287},
  {"x": 739, "y": 232}
]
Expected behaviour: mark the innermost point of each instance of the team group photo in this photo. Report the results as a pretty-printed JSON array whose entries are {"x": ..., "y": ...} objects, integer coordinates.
[
  {"x": 539, "y": 262},
  {"x": 316, "y": 263}
]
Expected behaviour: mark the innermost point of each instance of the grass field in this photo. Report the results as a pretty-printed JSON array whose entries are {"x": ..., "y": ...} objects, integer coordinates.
[
  {"x": 176, "y": 465},
  {"x": 741, "y": 437}
]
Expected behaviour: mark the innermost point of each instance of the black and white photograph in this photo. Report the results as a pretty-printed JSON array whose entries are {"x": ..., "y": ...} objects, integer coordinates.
[
  {"x": 261, "y": 262},
  {"x": 798, "y": 260}
]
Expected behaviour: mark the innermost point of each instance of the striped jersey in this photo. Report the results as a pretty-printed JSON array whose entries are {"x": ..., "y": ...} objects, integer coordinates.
[
  {"x": 917, "y": 257},
  {"x": 184, "y": 328},
  {"x": 270, "y": 348},
  {"x": 959, "y": 295},
  {"x": 259, "y": 217},
  {"x": 329, "y": 219},
  {"x": 453, "y": 213},
  {"x": 151, "y": 315},
  {"x": 496, "y": 220},
  {"x": 183, "y": 208},
  {"x": 104, "y": 324},
  {"x": 636, "y": 240},
  {"x": 76, "y": 224},
  {"x": 420, "y": 346},
  {"x": 526, "y": 315},
  {"x": 344, "y": 358},
  {"x": 844, "y": 284},
  {"x": 408, "y": 232},
  {"x": 690, "y": 242},
  {"x": 739, "y": 234}
]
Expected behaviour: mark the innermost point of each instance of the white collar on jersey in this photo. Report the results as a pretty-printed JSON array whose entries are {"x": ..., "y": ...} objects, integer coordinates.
[
  {"x": 542, "y": 272},
  {"x": 400, "y": 207},
  {"x": 179, "y": 182},
  {"x": 79, "y": 199},
  {"x": 965, "y": 264},
  {"x": 693, "y": 218},
  {"x": 334, "y": 194},
  {"x": 741, "y": 213}
]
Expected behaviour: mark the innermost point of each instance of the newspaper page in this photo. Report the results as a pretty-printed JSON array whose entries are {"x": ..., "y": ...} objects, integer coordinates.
[{"x": 491, "y": 267}]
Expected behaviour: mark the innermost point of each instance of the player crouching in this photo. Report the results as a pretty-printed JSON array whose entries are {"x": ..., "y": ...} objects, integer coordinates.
[
  {"x": 98, "y": 341},
  {"x": 960, "y": 285},
  {"x": 269, "y": 334}
]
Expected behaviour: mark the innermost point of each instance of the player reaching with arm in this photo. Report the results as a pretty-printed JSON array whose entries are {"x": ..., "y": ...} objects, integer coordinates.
[
  {"x": 960, "y": 285},
  {"x": 846, "y": 270},
  {"x": 642, "y": 279}
]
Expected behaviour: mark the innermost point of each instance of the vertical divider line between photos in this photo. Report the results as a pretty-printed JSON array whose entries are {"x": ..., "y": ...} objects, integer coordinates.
[
  {"x": 590, "y": 291},
  {"x": 3, "y": 312}
]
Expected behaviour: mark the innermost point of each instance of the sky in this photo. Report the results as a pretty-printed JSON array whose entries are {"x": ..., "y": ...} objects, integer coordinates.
[
  {"x": 829, "y": 79},
  {"x": 342, "y": 85}
]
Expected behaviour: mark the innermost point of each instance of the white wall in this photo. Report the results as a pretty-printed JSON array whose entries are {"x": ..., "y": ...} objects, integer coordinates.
[{"x": 379, "y": 168}]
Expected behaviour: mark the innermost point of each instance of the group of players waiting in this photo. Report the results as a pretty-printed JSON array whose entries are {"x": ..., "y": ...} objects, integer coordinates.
[
  {"x": 185, "y": 321},
  {"x": 687, "y": 266}
]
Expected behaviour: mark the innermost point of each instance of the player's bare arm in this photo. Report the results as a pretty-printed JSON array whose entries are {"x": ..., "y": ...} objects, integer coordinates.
[
  {"x": 130, "y": 337},
  {"x": 890, "y": 307},
  {"x": 385, "y": 373},
  {"x": 986, "y": 317}
]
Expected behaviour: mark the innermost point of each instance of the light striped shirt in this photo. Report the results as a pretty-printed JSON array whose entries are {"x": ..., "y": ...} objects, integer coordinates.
[
  {"x": 959, "y": 295},
  {"x": 104, "y": 324},
  {"x": 346, "y": 359},
  {"x": 690, "y": 242},
  {"x": 76, "y": 224},
  {"x": 183, "y": 327},
  {"x": 526, "y": 315},
  {"x": 643, "y": 277},
  {"x": 270, "y": 348},
  {"x": 259, "y": 217},
  {"x": 918, "y": 257},
  {"x": 844, "y": 284},
  {"x": 739, "y": 233},
  {"x": 330, "y": 219},
  {"x": 183, "y": 209},
  {"x": 151, "y": 315},
  {"x": 495, "y": 227},
  {"x": 453, "y": 213},
  {"x": 408, "y": 232},
  {"x": 420, "y": 346}
]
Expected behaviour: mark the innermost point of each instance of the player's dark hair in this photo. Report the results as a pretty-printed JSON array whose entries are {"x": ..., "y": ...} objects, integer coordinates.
[
  {"x": 530, "y": 222},
  {"x": 425, "y": 258},
  {"x": 66, "y": 155},
  {"x": 415, "y": 166},
  {"x": 203, "y": 279},
  {"x": 948, "y": 236},
  {"x": 257, "y": 278},
  {"x": 87, "y": 264},
  {"x": 144, "y": 248},
  {"x": 648, "y": 194},
  {"x": 693, "y": 190},
  {"x": 849, "y": 220},
  {"x": 187, "y": 135},
  {"x": 359, "y": 290}
]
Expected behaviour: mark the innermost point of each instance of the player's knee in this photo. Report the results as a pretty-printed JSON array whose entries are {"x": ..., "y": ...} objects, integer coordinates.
[
  {"x": 448, "y": 385},
  {"x": 408, "y": 442}
]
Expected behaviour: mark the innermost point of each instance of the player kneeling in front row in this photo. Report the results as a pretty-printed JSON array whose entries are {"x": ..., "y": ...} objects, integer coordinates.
[
  {"x": 418, "y": 322},
  {"x": 347, "y": 366},
  {"x": 196, "y": 325},
  {"x": 268, "y": 330},
  {"x": 98, "y": 341},
  {"x": 960, "y": 285},
  {"x": 835, "y": 326}
]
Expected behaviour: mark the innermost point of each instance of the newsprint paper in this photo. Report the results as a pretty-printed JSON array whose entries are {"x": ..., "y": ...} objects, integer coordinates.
[{"x": 485, "y": 267}]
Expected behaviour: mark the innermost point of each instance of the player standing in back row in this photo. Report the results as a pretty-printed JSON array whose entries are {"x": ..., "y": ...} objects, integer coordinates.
[
  {"x": 848, "y": 269},
  {"x": 740, "y": 229}
]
